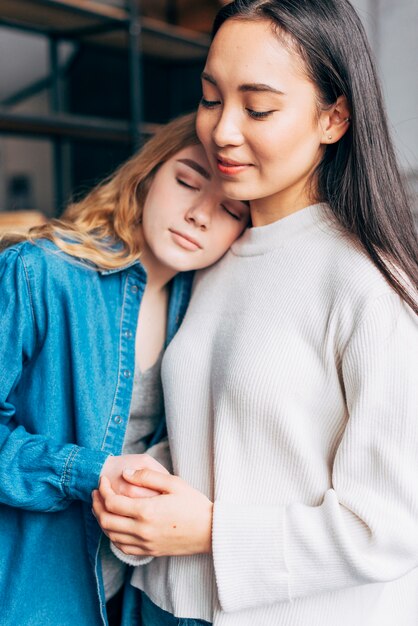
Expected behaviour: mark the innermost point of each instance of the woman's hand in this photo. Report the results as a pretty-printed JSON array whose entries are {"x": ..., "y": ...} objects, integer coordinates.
[
  {"x": 177, "y": 522},
  {"x": 116, "y": 467}
]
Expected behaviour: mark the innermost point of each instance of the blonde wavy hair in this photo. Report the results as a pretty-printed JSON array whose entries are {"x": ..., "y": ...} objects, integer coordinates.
[{"x": 103, "y": 227}]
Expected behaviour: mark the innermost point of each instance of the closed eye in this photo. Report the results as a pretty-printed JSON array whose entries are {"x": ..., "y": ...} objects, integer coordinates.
[
  {"x": 209, "y": 104},
  {"x": 231, "y": 213},
  {"x": 257, "y": 115},
  {"x": 184, "y": 184}
]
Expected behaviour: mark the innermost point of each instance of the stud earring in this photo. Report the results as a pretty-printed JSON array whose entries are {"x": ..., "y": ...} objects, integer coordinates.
[
  {"x": 329, "y": 136},
  {"x": 347, "y": 119}
]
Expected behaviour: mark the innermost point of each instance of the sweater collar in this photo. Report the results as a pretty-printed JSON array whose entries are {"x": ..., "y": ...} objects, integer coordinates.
[{"x": 261, "y": 239}]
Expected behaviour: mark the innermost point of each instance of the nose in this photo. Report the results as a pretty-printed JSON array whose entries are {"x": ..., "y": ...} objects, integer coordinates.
[
  {"x": 200, "y": 214},
  {"x": 227, "y": 131}
]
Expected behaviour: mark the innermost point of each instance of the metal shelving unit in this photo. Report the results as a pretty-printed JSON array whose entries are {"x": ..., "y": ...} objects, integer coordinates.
[
  {"x": 102, "y": 24},
  {"x": 95, "y": 23}
]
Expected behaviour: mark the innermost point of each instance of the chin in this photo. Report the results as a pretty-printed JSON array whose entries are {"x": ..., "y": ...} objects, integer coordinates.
[
  {"x": 238, "y": 191},
  {"x": 178, "y": 265}
]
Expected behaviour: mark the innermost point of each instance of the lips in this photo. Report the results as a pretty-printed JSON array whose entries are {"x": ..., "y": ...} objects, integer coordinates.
[
  {"x": 185, "y": 241},
  {"x": 229, "y": 166}
]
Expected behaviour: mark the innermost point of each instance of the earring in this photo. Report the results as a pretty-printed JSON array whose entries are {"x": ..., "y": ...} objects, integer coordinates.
[
  {"x": 329, "y": 136},
  {"x": 347, "y": 119}
]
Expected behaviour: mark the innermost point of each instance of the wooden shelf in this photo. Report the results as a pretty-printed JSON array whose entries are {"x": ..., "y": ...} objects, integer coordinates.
[
  {"x": 102, "y": 24},
  {"x": 70, "y": 127},
  {"x": 20, "y": 220},
  {"x": 60, "y": 14},
  {"x": 92, "y": 22}
]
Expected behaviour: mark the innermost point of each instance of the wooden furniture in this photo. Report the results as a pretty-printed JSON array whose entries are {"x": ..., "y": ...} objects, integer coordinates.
[
  {"x": 20, "y": 220},
  {"x": 114, "y": 24}
]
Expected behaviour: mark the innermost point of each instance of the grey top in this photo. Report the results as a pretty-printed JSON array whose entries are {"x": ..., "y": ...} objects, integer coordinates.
[{"x": 147, "y": 406}]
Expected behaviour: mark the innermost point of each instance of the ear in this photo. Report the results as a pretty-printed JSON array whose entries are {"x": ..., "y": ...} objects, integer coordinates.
[{"x": 335, "y": 121}]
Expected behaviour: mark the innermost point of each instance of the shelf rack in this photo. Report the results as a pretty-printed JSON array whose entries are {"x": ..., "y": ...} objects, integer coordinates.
[{"x": 100, "y": 24}]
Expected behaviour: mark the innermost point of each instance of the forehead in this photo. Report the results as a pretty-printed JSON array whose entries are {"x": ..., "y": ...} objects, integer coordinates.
[
  {"x": 195, "y": 152},
  {"x": 256, "y": 51}
]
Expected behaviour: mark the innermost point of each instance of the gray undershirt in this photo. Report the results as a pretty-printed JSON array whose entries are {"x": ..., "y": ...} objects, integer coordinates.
[{"x": 147, "y": 407}]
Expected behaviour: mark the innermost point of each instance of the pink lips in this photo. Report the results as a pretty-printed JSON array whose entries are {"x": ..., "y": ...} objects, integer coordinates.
[
  {"x": 230, "y": 167},
  {"x": 185, "y": 241}
]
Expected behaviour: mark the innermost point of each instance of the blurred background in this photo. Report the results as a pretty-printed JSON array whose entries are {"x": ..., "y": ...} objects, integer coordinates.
[{"x": 83, "y": 82}]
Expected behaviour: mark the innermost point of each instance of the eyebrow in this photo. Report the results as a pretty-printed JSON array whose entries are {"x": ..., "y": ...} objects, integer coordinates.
[
  {"x": 257, "y": 87},
  {"x": 196, "y": 167},
  {"x": 260, "y": 87}
]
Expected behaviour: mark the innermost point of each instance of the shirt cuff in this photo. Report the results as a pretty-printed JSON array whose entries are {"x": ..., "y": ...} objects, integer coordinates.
[{"x": 82, "y": 472}]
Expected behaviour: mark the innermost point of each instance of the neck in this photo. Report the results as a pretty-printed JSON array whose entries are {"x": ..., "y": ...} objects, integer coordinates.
[
  {"x": 158, "y": 274},
  {"x": 279, "y": 205}
]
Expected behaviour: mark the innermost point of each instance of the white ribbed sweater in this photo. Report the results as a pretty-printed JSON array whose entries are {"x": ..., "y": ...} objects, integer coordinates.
[{"x": 292, "y": 402}]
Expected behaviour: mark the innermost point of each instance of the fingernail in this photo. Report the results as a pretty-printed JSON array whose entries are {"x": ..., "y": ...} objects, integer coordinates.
[{"x": 128, "y": 471}]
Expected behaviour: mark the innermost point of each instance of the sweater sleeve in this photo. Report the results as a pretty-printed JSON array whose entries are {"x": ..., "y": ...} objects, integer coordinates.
[
  {"x": 36, "y": 473},
  {"x": 365, "y": 529}
]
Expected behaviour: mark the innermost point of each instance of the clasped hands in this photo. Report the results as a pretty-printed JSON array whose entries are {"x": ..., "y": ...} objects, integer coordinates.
[{"x": 149, "y": 512}]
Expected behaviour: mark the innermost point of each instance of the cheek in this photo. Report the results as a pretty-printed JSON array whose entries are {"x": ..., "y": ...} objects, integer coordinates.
[
  {"x": 149, "y": 213},
  {"x": 266, "y": 143},
  {"x": 203, "y": 126},
  {"x": 153, "y": 228},
  {"x": 161, "y": 208},
  {"x": 148, "y": 234},
  {"x": 291, "y": 146}
]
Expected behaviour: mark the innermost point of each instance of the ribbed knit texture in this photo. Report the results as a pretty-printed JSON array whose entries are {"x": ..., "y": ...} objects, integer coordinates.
[{"x": 291, "y": 396}]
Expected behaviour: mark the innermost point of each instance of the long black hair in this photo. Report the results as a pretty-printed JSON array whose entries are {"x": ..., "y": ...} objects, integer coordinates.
[{"x": 358, "y": 176}]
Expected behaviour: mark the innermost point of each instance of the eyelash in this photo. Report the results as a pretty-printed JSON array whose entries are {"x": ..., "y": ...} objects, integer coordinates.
[
  {"x": 184, "y": 184},
  {"x": 255, "y": 115},
  {"x": 236, "y": 217},
  {"x": 259, "y": 115},
  {"x": 209, "y": 104}
]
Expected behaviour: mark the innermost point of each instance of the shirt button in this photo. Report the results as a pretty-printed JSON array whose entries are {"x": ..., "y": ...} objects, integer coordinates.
[
  {"x": 134, "y": 288},
  {"x": 128, "y": 334},
  {"x": 117, "y": 419},
  {"x": 126, "y": 373}
]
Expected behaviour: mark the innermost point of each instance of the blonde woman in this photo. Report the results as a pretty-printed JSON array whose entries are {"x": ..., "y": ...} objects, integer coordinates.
[{"x": 87, "y": 304}]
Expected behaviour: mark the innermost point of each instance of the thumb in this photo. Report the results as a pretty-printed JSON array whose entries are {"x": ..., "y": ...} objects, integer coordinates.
[{"x": 164, "y": 483}]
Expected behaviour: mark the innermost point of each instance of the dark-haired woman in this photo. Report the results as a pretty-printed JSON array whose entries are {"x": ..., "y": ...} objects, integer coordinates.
[{"x": 291, "y": 389}]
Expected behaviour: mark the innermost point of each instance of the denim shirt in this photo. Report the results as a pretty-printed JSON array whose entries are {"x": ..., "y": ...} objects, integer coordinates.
[{"x": 67, "y": 357}]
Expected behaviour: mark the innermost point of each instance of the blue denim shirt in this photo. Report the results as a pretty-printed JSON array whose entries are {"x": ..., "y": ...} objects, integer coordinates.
[{"x": 67, "y": 356}]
